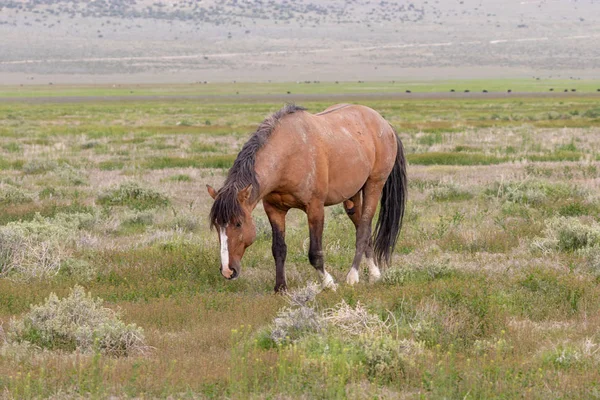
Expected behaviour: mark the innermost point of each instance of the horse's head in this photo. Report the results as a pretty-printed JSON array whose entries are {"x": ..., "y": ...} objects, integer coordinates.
[{"x": 236, "y": 230}]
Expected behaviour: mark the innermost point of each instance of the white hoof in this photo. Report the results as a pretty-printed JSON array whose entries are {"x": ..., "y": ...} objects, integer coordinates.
[
  {"x": 374, "y": 276},
  {"x": 352, "y": 277},
  {"x": 374, "y": 273},
  {"x": 328, "y": 282}
]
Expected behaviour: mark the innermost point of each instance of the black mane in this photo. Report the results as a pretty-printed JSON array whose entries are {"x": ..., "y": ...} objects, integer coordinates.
[{"x": 226, "y": 207}]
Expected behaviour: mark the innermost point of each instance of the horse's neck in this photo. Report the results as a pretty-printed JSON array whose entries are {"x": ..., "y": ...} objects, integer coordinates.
[
  {"x": 267, "y": 178},
  {"x": 264, "y": 189}
]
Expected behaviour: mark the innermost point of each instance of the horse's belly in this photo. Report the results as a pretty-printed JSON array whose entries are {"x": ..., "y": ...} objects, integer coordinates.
[
  {"x": 350, "y": 164},
  {"x": 345, "y": 185}
]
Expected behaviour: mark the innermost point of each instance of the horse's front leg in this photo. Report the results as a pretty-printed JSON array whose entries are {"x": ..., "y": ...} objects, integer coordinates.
[
  {"x": 277, "y": 219},
  {"x": 316, "y": 219}
]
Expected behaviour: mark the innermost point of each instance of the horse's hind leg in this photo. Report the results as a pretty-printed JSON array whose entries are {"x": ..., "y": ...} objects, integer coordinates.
[
  {"x": 353, "y": 208},
  {"x": 316, "y": 219},
  {"x": 370, "y": 197}
]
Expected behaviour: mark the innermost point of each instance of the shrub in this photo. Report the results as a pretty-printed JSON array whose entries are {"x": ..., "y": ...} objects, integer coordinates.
[
  {"x": 14, "y": 195},
  {"x": 449, "y": 192},
  {"x": 592, "y": 113},
  {"x": 397, "y": 276},
  {"x": 385, "y": 358},
  {"x": 77, "y": 322},
  {"x": 292, "y": 323},
  {"x": 71, "y": 175},
  {"x": 80, "y": 270},
  {"x": 592, "y": 258},
  {"x": 49, "y": 193},
  {"x": 138, "y": 218},
  {"x": 134, "y": 196},
  {"x": 563, "y": 356},
  {"x": 186, "y": 222},
  {"x": 39, "y": 166},
  {"x": 35, "y": 249},
  {"x": 568, "y": 234},
  {"x": 533, "y": 192}
]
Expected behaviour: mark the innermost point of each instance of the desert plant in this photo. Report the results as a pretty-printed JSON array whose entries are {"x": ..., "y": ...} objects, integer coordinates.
[
  {"x": 13, "y": 195},
  {"x": 80, "y": 270},
  {"x": 77, "y": 322},
  {"x": 71, "y": 175},
  {"x": 592, "y": 258},
  {"x": 134, "y": 196},
  {"x": 532, "y": 192},
  {"x": 299, "y": 319},
  {"x": 39, "y": 166},
  {"x": 35, "y": 249},
  {"x": 449, "y": 192},
  {"x": 568, "y": 234}
]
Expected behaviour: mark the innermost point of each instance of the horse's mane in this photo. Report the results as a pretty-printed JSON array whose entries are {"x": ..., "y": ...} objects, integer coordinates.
[{"x": 226, "y": 206}]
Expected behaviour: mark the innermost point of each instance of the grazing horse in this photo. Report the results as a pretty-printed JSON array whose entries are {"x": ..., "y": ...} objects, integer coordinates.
[{"x": 346, "y": 154}]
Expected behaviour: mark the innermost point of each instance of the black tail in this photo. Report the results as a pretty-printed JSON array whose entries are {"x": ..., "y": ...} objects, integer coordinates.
[{"x": 393, "y": 202}]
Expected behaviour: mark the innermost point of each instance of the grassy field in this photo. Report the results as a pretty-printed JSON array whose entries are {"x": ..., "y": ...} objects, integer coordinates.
[
  {"x": 493, "y": 291},
  {"x": 303, "y": 87}
]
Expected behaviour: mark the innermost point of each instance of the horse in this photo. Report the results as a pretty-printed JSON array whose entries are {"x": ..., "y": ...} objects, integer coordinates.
[{"x": 346, "y": 154}]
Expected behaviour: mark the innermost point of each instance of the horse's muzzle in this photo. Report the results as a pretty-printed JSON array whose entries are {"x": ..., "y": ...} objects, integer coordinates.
[{"x": 231, "y": 273}]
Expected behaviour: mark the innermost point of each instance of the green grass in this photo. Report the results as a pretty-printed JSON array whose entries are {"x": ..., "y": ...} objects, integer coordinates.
[
  {"x": 232, "y": 89},
  {"x": 447, "y": 158},
  {"x": 217, "y": 161}
]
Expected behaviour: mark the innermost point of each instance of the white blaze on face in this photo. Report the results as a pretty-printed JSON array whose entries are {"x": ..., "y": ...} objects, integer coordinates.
[{"x": 224, "y": 253}]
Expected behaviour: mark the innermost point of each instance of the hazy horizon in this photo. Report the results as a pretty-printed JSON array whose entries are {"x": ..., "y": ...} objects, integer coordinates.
[{"x": 183, "y": 41}]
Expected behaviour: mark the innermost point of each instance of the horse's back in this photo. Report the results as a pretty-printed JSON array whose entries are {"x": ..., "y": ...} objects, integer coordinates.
[
  {"x": 347, "y": 130},
  {"x": 329, "y": 155},
  {"x": 358, "y": 144}
]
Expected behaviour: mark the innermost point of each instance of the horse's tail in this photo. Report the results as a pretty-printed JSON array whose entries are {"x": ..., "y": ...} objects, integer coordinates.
[{"x": 393, "y": 203}]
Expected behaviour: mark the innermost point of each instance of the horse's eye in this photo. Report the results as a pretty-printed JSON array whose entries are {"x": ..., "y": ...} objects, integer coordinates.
[{"x": 238, "y": 225}]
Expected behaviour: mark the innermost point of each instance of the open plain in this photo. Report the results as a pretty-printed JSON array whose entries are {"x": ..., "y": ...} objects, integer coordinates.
[{"x": 492, "y": 292}]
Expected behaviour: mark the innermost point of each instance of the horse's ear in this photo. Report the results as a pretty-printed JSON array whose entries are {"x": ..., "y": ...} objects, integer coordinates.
[
  {"x": 245, "y": 193},
  {"x": 211, "y": 191}
]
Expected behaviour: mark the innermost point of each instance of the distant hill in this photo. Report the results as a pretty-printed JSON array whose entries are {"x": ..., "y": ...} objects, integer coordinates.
[{"x": 175, "y": 40}]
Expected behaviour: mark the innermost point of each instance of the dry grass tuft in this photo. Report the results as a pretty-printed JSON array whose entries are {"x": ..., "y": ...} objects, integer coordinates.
[{"x": 355, "y": 321}]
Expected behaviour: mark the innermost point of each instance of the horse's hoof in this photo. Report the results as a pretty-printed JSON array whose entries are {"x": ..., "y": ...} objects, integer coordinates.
[
  {"x": 374, "y": 276},
  {"x": 352, "y": 277},
  {"x": 328, "y": 282},
  {"x": 281, "y": 289}
]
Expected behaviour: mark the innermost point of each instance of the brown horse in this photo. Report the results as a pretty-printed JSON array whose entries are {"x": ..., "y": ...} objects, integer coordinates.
[{"x": 347, "y": 153}]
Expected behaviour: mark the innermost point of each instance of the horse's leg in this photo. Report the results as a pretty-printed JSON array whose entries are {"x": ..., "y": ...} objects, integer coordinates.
[
  {"x": 316, "y": 218},
  {"x": 353, "y": 208},
  {"x": 279, "y": 248},
  {"x": 371, "y": 194}
]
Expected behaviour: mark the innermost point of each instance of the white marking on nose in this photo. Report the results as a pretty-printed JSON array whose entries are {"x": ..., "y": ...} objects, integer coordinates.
[{"x": 224, "y": 253}]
